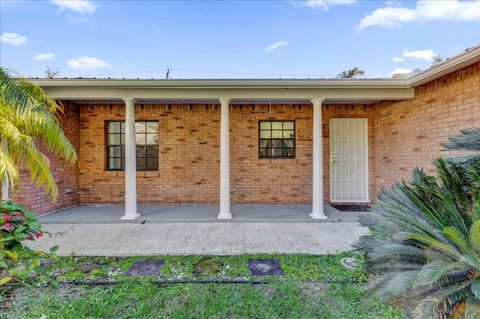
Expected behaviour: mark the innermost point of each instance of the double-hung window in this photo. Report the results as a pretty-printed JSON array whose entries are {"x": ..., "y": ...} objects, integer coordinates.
[
  {"x": 146, "y": 140},
  {"x": 276, "y": 139}
]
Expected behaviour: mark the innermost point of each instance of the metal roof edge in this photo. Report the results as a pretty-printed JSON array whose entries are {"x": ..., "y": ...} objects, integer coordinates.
[
  {"x": 456, "y": 63},
  {"x": 226, "y": 83}
]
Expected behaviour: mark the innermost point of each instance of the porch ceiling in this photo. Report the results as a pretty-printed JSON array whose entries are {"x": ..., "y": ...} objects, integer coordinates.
[
  {"x": 233, "y": 101},
  {"x": 241, "y": 94}
]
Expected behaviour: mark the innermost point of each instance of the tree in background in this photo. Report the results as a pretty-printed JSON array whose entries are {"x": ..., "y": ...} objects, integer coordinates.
[
  {"x": 353, "y": 73},
  {"x": 437, "y": 59},
  {"x": 51, "y": 73},
  {"x": 29, "y": 124}
]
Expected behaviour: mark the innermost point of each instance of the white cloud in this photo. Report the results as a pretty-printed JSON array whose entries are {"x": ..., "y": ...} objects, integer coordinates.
[
  {"x": 78, "y": 10},
  {"x": 13, "y": 38},
  {"x": 44, "y": 56},
  {"x": 424, "y": 10},
  {"x": 427, "y": 55},
  {"x": 78, "y": 6},
  {"x": 388, "y": 17},
  {"x": 87, "y": 63},
  {"x": 401, "y": 71},
  {"x": 325, "y": 4},
  {"x": 276, "y": 45}
]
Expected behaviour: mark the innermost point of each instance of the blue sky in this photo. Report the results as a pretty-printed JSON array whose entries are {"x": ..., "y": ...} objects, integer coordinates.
[{"x": 232, "y": 39}]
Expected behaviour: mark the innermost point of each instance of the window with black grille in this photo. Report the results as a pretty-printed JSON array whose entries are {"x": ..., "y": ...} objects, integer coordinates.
[
  {"x": 276, "y": 139},
  {"x": 146, "y": 140}
]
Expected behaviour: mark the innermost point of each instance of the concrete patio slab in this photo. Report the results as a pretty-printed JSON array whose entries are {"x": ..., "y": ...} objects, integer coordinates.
[
  {"x": 93, "y": 214},
  {"x": 133, "y": 239}
]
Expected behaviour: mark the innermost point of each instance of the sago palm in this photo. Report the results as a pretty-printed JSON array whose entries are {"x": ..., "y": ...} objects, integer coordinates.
[
  {"x": 29, "y": 125},
  {"x": 424, "y": 240}
]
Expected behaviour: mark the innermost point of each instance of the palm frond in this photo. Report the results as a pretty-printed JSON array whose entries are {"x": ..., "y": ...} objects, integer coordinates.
[
  {"x": 475, "y": 235},
  {"x": 392, "y": 250},
  {"x": 397, "y": 284},
  {"x": 436, "y": 304},
  {"x": 469, "y": 139},
  {"x": 433, "y": 243},
  {"x": 476, "y": 288},
  {"x": 472, "y": 308},
  {"x": 22, "y": 149},
  {"x": 432, "y": 272},
  {"x": 457, "y": 238},
  {"x": 29, "y": 124}
]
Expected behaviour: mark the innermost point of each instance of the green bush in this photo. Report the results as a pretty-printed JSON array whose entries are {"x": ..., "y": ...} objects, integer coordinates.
[
  {"x": 17, "y": 225},
  {"x": 424, "y": 241}
]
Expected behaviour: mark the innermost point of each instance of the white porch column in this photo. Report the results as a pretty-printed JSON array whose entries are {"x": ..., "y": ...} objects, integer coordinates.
[
  {"x": 5, "y": 189},
  {"x": 130, "y": 162},
  {"x": 224, "y": 160},
  {"x": 5, "y": 182},
  {"x": 317, "y": 161}
]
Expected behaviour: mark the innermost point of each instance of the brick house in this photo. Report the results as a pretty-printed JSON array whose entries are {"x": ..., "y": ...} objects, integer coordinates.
[{"x": 245, "y": 141}]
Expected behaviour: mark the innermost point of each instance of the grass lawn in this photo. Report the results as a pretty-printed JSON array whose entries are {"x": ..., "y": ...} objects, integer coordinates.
[{"x": 334, "y": 293}]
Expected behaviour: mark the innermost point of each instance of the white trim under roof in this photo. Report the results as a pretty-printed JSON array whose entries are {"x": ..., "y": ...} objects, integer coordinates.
[{"x": 233, "y": 101}]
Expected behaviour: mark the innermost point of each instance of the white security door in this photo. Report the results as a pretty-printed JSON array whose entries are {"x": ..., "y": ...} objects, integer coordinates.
[{"x": 349, "y": 160}]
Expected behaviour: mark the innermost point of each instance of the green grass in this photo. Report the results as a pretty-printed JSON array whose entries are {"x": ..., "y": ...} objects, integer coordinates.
[
  {"x": 296, "y": 267},
  {"x": 146, "y": 300},
  {"x": 342, "y": 297}
]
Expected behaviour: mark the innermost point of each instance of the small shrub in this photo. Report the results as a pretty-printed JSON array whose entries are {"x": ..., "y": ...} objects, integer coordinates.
[
  {"x": 16, "y": 226},
  {"x": 424, "y": 241}
]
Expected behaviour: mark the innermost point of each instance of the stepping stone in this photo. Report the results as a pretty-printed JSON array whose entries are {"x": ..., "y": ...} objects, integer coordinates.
[
  {"x": 265, "y": 267},
  {"x": 145, "y": 268},
  {"x": 349, "y": 263}
]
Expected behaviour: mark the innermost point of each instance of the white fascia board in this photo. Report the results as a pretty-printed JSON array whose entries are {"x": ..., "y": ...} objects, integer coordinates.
[{"x": 465, "y": 59}]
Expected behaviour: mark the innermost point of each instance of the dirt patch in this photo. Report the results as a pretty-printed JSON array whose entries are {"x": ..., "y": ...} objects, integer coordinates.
[
  {"x": 267, "y": 290},
  {"x": 207, "y": 266},
  {"x": 314, "y": 288},
  {"x": 46, "y": 263},
  {"x": 89, "y": 265}
]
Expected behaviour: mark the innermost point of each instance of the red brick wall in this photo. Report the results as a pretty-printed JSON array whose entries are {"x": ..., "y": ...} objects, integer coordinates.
[
  {"x": 278, "y": 181},
  {"x": 188, "y": 160},
  {"x": 65, "y": 174},
  {"x": 189, "y": 154},
  {"x": 410, "y": 133}
]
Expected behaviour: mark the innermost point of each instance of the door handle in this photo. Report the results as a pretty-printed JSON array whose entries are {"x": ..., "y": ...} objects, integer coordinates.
[{"x": 333, "y": 160}]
